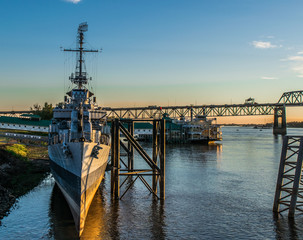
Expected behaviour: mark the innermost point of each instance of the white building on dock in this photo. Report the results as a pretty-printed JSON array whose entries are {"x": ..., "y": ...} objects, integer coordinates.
[{"x": 26, "y": 122}]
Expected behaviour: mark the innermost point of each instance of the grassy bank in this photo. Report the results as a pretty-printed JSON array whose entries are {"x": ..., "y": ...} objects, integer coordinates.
[{"x": 21, "y": 169}]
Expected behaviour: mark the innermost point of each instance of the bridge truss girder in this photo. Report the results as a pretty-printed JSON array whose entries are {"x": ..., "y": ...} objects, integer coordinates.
[
  {"x": 294, "y": 97},
  {"x": 192, "y": 111}
]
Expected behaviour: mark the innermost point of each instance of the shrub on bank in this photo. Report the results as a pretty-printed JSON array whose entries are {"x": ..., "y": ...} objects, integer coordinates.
[
  {"x": 18, "y": 150},
  {"x": 19, "y": 172}
]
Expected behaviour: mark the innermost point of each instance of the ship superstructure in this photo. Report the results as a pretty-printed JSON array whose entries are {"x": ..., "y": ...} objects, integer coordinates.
[{"x": 79, "y": 142}]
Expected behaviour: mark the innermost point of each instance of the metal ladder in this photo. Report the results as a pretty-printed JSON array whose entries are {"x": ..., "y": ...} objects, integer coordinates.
[{"x": 289, "y": 189}]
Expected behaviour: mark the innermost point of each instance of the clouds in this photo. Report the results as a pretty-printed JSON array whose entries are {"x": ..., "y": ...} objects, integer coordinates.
[
  {"x": 263, "y": 44},
  {"x": 296, "y": 63},
  {"x": 266, "y": 44},
  {"x": 73, "y": 1},
  {"x": 294, "y": 58},
  {"x": 293, "y": 62},
  {"x": 268, "y": 78}
]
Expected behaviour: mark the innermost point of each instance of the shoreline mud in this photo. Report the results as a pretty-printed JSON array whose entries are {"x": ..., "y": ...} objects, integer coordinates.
[{"x": 18, "y": 174}]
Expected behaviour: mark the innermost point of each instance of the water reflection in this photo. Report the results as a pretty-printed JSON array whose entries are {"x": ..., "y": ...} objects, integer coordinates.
[
  {"x": 206, "y": 198},
  {"x": 219, "y": 154},
  {"x": 96, "y": 226},
  {"x": 158, "y": 220},
  {"x": 61, "y": 219},
  {"x": 104, "y": 219},
  {"x": 286, "y": 228},
  {"x": 277, "y": 138},
  {"x": 195, "y": 152},
  {"x": 62, "y": 223},
  {"x": 114, "y": 219}
]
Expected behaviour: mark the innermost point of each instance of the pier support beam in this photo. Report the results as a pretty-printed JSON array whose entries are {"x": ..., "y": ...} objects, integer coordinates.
[
  {"x": 130, "y": 148},
  {"x": 162, "y": 159},
  {"x": 153, "y": 176},
  {"x": 279, "y": 120},
  {"x": 155, "y": 153},
  {"x": 289, "y": 188},
  {"x": 115, "y": 160}
]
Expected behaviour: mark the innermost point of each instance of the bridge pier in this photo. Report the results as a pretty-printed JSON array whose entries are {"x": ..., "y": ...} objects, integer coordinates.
[{"x": 279, "y": 120}]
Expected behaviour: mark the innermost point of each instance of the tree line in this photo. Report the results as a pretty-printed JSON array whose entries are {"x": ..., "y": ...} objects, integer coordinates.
[{"x": 45, "y": 112}]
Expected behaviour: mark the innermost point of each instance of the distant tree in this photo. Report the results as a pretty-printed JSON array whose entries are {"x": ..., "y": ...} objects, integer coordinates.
[
  {"x": 60, "y": 105},
  {"x": 45, "y": 112}
]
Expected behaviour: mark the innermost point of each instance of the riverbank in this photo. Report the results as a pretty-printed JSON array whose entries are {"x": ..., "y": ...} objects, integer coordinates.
[{"x": 21, "y": 169}]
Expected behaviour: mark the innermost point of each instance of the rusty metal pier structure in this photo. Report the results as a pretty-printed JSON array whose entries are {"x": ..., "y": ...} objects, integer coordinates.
[
  {"x": 123, "y": 171},
  {"x": 289, "y": 188}
]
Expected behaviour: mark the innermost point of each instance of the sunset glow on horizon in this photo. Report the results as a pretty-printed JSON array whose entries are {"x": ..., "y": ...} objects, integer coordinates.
[{"x": 162, "y": 53}]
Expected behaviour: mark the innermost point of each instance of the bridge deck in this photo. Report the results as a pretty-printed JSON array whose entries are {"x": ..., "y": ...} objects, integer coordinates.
[{"x": 288, "y": 99}]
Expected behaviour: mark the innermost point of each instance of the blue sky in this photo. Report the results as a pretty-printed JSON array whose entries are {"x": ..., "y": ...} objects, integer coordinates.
[{"x": 154, "y": 52}]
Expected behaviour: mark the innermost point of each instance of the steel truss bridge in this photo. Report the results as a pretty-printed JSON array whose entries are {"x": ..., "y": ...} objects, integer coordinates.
[
  {"x": 294, "y": 98},
  {"x": 192, "y": 111}
]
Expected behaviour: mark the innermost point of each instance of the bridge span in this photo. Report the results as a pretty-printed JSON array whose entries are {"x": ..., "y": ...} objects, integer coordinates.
[
  {"x": 194, "y": 110},
  {"x": 288, "y": 99}
]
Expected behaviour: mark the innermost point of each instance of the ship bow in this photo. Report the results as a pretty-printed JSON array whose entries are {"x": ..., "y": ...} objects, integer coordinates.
[{"x": 79, "y": 175}]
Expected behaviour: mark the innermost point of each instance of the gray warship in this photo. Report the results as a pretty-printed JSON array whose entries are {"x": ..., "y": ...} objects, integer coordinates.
[{"x": 78, "y": 143}]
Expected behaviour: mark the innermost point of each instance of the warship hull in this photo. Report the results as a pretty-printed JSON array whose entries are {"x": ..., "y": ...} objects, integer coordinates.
[{"x": 78, "y": 170}]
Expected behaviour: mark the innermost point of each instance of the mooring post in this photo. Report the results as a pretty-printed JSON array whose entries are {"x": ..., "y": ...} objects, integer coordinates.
[
  {"x": 155, "y": 154},
  {"x": 162, "y": 159},
  {"x": 279, "y": 115},
  {"x": 130, "y": 146}
]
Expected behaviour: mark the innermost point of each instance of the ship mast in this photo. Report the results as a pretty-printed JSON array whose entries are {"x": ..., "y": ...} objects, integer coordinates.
[{"x": 80, "y": 76}]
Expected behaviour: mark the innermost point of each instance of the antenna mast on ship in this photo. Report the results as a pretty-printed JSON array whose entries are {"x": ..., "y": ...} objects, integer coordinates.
[{"x": 80, "y": 77}]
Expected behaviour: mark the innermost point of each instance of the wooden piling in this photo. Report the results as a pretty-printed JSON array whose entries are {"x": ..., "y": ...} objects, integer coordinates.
[
  {"x": 113, "y": 152},
  {"x": 155, "y": 154},
  {"x": 162, "y": 160},
  {"x": 130, "y": 147},
  {"x": 157, "y": 168},
  {"x": 115, "y": 181}
]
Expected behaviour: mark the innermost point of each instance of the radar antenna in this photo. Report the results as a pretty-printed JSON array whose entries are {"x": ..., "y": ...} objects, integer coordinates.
[{"x": 80, "y": 77}]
